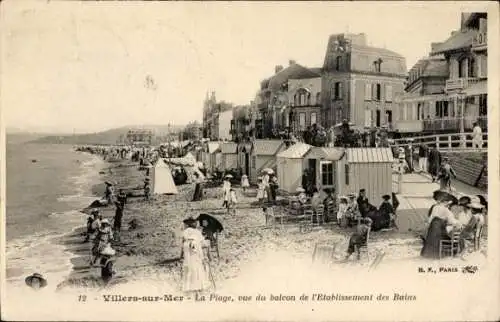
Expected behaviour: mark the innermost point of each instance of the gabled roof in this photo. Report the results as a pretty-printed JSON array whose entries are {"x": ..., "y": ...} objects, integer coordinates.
[
  {"x": 228, "y": 147},
  {"x": 376, "y": 50},
  {"x": 328, "y": 154},
  {"x": 294, "y": 71},
  {"x": 267, "y": 147},
  {"x": 458, "y": 40},
  {"x": 369, "y": 155},
  {"x": 295, "y": 151}
]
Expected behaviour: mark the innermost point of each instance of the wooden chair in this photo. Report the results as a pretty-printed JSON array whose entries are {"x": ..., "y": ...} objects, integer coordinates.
[
  {"x": 306, "y": 218},
  {"x": 331, "y": 211},
  {"x": 276, "y": 214},
  {"x": 358, "y": 249},
  {"x": 324, "y": 252},
  {"x": 450, "y": 246},
  {"x": 319, "y": 213}
]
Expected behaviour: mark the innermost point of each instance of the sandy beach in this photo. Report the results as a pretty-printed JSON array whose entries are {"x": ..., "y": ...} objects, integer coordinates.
[{"x": 144, "y": 252}]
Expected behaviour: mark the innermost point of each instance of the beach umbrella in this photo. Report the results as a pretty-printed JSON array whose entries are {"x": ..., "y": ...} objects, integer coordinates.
[
  {"x": 214, "y": 224},
  {"x": 268, "y": 170}
]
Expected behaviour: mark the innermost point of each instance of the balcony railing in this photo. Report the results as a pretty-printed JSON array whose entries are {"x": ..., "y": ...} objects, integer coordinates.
[
  {"x": 453, "y": 124},
  {"x": 480, "y": 40},
  {"x": 461, "y": 83}
]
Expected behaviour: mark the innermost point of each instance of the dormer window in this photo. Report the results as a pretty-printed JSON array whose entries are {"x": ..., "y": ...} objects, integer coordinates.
[{"x": 378, "y": 64}]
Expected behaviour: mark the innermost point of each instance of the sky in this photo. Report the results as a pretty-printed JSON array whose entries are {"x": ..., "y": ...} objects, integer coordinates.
[{"x": 90, "y": 66}]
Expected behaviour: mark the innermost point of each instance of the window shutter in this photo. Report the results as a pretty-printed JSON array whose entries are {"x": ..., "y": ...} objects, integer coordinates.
[
  {"x": 368, "y": 92},
  {"x": 374, "y": 92},
  {"x": 347, "y": 174},
  {"x": 340, "y": 90}
]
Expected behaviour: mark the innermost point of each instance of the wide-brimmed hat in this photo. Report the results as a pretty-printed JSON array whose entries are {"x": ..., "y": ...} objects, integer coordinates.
[
  {"x": 105, "y": 222},
  {"x": 228, "y": 176},
  {"x": 300, "y": 189},
  {"x": 29, "y": 280},
  {"x": 351, "y": 195},
  {"x": 147, "y": 179},
  {"x": 343, "y": 198},
  {"x": 94, "y": 212},
  {"x": 244, "y": 176},
  {"x": 386, "y": 197},
  {"x": 476, "y": 205},
  {"x": 464, "y": 201},
  {"x": 444, "y": 196},
  {"x": 108, "y": 183}
]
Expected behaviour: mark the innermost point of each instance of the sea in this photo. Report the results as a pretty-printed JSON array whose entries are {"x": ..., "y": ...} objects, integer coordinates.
[{"x": 47, "y": 186}]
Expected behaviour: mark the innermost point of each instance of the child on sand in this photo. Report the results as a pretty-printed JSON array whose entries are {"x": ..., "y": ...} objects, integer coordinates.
[
  {"x": 244, "y": 182},
  {"x": 232, "y": 201},
  {"x": 342, "y": 211}
]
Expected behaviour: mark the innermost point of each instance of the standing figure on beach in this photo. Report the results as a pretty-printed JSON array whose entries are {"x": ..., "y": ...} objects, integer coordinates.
[
  {"x": 147, "y": 189},
  {"x": 195, "y": 274},
  {"x": 93, "y": 223},
  {"x": 117, "y": 220},
  {"x": 226, "y": 191},
  {"x": 102, "y": 240},
  {"x": 109, "y": 193},
  {"x": 121, "y": 197},
  {"x": 445, "y": 174},
  {"x": 244, "y": 182}
]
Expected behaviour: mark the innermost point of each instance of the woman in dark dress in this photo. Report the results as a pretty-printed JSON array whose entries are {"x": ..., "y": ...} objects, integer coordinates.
[{"x": 440, "y": 217}]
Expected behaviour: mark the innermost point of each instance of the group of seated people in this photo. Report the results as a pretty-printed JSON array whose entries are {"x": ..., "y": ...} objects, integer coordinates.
[
  {"x": 348, "y": 210},
  {"x": 449, "y": 219}
]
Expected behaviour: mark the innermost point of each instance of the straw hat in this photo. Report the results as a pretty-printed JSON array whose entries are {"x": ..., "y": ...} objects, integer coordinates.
[
  {"x": 105, "y": 222},
  {"x": 36, "y": 276},
  {"x": 386, "y": 197},
  {"x": 299, "y": 190}
]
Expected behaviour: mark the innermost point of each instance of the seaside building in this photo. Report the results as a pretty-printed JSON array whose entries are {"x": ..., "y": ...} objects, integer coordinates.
[
  {"x": 273, "y": 98},
  {"x": 212, "y": 111},
  {"x": 304, "y": 104},
  {"x": 359, "y": 82},
  {"x": 453, "y": 105},
  {"x": 140, "y": 137}
]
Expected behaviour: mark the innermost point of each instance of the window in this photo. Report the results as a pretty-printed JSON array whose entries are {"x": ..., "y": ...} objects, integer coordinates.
[
  {"x": 326, "y": 173},
  {"x": 347, "y": 174},
  {"x": 368, "y": 92},
  {"x": 313, "y": 118},
  {"x": 338, "y": 62},
  {"x": 472, "y": 67},
  {"x": 483, "y": 104},
  {"x": 442, "y": 109},
  {"x": 318, "y": 98},
  {"x": 379, "y": 92},
  {"x": 302, "y": 121},
  {"x": 462, "y": 63},
  {"x": 254, "y": 162},
  {"x": 388, "y": 93},
  {"x": 338, "y": 90}
]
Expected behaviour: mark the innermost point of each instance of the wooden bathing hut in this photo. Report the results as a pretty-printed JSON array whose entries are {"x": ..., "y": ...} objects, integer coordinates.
[
  {"x": 346, "y": 170},
  {"x": 244, "y": 149},
  {"x": 229, "y": 152},
  {"x": 263, "y": 155},
  {"x": 325, "y": 163},
  {"x": 212, "y": 156}
]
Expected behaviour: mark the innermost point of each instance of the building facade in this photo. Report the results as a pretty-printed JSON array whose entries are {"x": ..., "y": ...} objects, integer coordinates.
[
  {"x": 359, "y": 82},
  {"x": 224, "y": 125},
  {"x": 304, "y": 104},
  {"x": 463, "y": 100},
  {"x": 211, "y": 118},
  {"x": 273, "y": 98},
  {"x": 140, "y": 137}
]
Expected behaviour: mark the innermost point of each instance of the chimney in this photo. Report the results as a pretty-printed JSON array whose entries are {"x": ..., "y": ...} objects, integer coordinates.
[
  {"x": 483, "y": 25},
  {"x": 434, "y": 45},
  {"x": 278, "y": 69},
  {"x": 291, "y": 62}
]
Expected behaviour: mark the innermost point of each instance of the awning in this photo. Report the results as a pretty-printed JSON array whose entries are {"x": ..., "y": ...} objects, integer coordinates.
[{"x": 477, "y": 89}]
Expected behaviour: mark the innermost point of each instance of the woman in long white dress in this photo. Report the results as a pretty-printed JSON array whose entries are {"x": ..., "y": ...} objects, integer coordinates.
[{"x": 195, "y": 275}]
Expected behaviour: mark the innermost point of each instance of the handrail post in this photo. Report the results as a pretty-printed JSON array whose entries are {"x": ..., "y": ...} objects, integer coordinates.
[
  {"x": 449, "y": 142},
  {"x": 437, "y": 142}
]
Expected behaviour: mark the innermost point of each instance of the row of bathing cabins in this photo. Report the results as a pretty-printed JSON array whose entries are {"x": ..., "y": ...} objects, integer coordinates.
[{"x": 346, "y": 170}]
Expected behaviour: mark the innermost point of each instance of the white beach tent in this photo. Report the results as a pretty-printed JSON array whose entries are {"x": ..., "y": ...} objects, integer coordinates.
[{"x": 163, "y": 183}]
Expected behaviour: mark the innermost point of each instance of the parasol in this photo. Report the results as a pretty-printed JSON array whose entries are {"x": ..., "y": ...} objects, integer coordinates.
[
  {"x": 213, "y": 224},
  {"x": 268, "y": 170}
]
